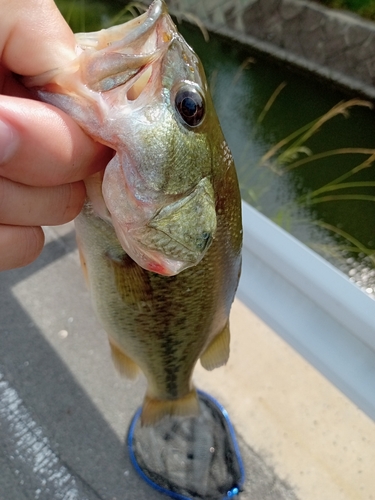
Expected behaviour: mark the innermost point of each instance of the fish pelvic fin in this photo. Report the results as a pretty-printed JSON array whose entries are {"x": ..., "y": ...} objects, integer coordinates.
[
  {"x": 123, "y": 364},
  {"x": 154, "y": 410},
  {"x": 217, "y": 351}
]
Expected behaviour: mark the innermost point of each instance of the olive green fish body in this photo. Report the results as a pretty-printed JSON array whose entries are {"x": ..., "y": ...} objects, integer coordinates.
[
  {"x": 165, "y": 323},
  {"x": 160, "y": 234}
]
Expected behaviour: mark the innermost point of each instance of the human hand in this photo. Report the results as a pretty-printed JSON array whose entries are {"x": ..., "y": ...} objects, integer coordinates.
[{"x": 44, "y": 155}]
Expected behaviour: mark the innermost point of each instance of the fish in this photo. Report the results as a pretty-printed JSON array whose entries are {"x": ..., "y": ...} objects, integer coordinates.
[{"x": 160, "y": 233}]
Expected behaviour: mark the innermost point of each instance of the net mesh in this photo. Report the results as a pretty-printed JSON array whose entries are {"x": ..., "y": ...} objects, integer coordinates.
[{"x": 195, "y": 457}]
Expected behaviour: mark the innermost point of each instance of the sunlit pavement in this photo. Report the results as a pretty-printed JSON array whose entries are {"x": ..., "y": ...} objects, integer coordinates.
[{"x": 64, "y": 411}]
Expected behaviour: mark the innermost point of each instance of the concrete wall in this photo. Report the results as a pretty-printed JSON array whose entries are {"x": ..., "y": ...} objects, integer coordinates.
[{"x": 335, "y": 44}]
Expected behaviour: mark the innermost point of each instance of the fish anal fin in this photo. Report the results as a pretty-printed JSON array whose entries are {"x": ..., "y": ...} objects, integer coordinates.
[
  {"x": 217, "y": 351},
  {"x": 123, "y": 364},
  {"x": 154, "y": 410}
]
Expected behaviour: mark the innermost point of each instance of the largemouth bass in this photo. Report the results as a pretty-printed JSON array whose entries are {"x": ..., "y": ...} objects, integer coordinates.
[{"x": 160, "y": 233}]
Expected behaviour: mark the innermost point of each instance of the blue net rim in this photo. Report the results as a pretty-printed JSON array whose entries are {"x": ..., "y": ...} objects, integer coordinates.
[{"x": 230, "y": 494}]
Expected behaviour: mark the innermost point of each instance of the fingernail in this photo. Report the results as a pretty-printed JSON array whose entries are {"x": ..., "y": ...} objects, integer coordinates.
[{"x": 9, "y": 141}]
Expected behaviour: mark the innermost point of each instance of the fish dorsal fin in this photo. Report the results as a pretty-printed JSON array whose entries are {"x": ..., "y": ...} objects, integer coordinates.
[
  {"x": 123, "y": 364},
  {"x": 154, "y": 410},
  {"x": 217, "y": 352}
]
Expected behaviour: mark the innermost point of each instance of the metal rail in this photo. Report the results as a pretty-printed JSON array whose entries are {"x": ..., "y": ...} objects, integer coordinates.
[{"x": 312, "y": 305}]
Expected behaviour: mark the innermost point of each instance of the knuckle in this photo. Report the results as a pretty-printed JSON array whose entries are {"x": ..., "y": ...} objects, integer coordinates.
[{"x": 74, "y": 198}]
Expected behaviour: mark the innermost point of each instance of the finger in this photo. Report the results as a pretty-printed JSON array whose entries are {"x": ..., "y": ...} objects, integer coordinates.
[
  {"x": 22, "y": 205},
  {"x": 42, "y": 146},
  {"x": 34, "y": 36},
  {"x": 19, "y": 246},
  {"x": 10, "y": 85}
]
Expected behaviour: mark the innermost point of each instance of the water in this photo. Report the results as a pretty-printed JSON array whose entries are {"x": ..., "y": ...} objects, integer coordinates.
[{"x": 339, "y": 224}]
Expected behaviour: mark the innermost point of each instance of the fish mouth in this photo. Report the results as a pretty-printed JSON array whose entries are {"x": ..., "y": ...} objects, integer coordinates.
[
  {"x": 132, "y": 50},
  {"x": 114, "y": 57},
  {"x": 177, "y": 236}
]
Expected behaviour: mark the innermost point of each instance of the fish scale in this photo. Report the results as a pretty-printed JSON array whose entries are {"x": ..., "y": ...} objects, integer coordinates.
[{"x": 160, "y": 233}]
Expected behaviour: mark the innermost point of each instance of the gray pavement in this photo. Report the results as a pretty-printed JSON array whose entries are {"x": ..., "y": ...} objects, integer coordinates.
[{"x": 64, "y": 411}]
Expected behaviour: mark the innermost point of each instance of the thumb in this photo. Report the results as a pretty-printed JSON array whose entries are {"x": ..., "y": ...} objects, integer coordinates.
[{"x": 34, "y": 37}]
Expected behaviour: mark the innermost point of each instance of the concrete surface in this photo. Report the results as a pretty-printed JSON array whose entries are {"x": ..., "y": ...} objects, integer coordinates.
[
  {"x": 64, "y": 411},
  {"x": 311, "y": 435}
]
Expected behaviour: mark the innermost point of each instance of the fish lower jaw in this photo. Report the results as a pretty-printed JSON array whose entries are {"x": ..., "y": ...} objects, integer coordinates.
[
  {"x": 158, "y": 263},
  {"x": 148, "y": 258},
  {"x": 166, "y": 270}
]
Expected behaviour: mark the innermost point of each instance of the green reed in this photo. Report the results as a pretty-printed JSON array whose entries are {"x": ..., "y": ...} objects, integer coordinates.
[{"x": 292, "y": 152}]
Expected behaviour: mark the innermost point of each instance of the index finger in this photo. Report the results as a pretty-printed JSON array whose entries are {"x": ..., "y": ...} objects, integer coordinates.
[
  {"x": 34, "y": 37},
  {"x": 52, "y": 149}
]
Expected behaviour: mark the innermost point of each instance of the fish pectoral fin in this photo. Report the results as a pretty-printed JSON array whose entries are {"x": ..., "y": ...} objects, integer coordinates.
[
  {"x": 82, "y": 260},
  {"x": 132, "y": 281},
  {"x": 123, "y": 364},
  {"x": 154, "y": 410},
  {"x": 217, "y": 352}
]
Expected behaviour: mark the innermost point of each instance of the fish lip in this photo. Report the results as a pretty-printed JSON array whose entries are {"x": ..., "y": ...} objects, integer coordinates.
[
  {"x": 156, "y": 13},
  {"x": 156, "y": 9},
  {"x": 153, "y": 15}
]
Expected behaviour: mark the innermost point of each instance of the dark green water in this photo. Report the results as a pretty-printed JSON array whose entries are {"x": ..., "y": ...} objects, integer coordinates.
[{"x": 339, "y": 224}]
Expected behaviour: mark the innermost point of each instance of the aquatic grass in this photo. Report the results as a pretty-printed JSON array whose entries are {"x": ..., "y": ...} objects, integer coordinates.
[
  {"x": 242, "y": 67},
  {"x": 337, "y": 184},
  {"x": 270, "y": 101},
  {"x": 326, "y": 154},
  {"x": 129, "y": 11},
  {"x": 291, "y": 153},
  {"x": 356, "y": 247},
  {"x": 304, "y": 133},
  {"x": 342, "y": 197},
  {"x": 194, "y": 20},
  {"x": 309, "y": 198}
]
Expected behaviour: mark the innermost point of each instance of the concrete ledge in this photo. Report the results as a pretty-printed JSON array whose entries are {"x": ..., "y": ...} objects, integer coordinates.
[{"x": 333, "y": 44}]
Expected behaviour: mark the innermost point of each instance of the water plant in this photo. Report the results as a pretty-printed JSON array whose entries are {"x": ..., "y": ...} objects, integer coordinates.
[{"x": 293, "y": 152}]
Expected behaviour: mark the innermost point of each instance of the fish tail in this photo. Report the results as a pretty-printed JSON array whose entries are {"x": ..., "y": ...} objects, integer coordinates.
[{"x": 154, "y": 409}]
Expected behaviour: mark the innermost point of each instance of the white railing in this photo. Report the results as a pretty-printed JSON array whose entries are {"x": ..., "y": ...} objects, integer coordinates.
[{"x": 312, "y": 305}]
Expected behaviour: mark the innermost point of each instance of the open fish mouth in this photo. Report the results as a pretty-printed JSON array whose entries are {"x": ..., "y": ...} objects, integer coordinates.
[
  {"x": 139, "y": 89},
  {"x": 112, "y": 57},
  {"x": 128, "y": 53}
]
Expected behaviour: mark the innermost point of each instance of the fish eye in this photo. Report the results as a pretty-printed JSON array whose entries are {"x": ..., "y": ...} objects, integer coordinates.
[{"x": 190, "y": 106}]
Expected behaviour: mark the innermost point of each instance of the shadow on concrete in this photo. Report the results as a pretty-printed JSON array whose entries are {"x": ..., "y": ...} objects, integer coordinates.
[
  {"x": 55, "y": 442},
  {"x": 82, "y": 441}
]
